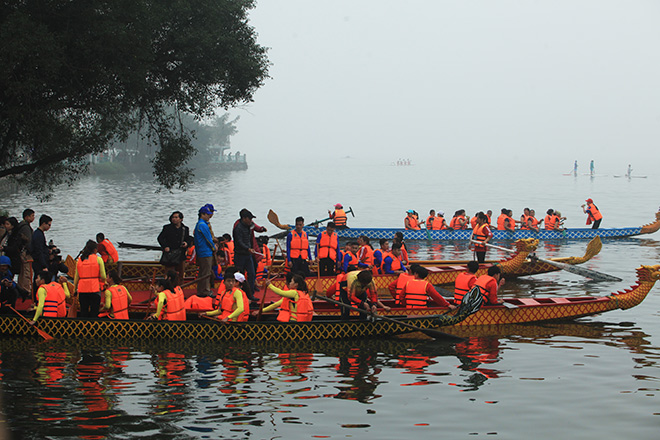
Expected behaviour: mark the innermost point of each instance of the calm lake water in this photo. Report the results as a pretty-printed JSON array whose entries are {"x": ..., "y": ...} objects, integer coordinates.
[{"x": 597, "y": 377}]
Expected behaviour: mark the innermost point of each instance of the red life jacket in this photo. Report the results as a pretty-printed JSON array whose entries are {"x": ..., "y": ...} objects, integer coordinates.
[
  {"x": 110, "y": 251},
  {"x": 54, "y": 304},
  {"x": 89, "y": 272},
  {"x": 119, "y": 302},
  {"x": 415, "y": 295},
  {"x": 304, "y": 308},
  {"x": 299, "y": 245},
  {"x": 464, "y": 282},
  {"x": 328, "y": 246},
  {"x": 339, "y": 217},
  {"x": 228, "y": 305}
]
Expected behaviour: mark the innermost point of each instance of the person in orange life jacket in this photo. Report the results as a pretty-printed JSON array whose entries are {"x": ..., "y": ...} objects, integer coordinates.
[
  {"x": 524, "y": 219},
  {"x": 116, "y": 298},
  {"x": 505, "y": 222},
  {"x": 489, "y": 285},
  {"x": 266, "y": 261},
  {"x": 295, "y": 305},
  {"x": 593, "y": 214},
  {"x": 439, "y": 222},
  {"x": 398, "y": 238},
  {"x": 362, "y": 292},
  {"x": 298, "y": 252},
  {"x": 170, "y": 302},
  {"x": 560, "y": 221},
  {"x": 481, "y": 235},
  {"x": 380, "y": 253},
  {"x": 51, "y": 296},
  {"x": 391, "y": 262},
  {"x": 338, "y": 217},
  {"x": 327, "y": 250},
  {"x": 489, "y": 214},
  {"x": 89, "y": 280},
  {"x": 551, "y": 221},
  {"x": 349, "y": 260},
  {"x": 465, "y": 281},
  {"x": 365, "y": 253},
  {"x": 245, "y": 248},
  {"x": 234, "y": 304},
  {"x": 410, "y": 221},
  {"x": 430, "y": 219},
  {"x": 534, "y": 223},
  {"x": 175, "y": 236},
  {"x": 417, "y": 291},
  {"x": 473, "y": 221},
  {"x": 106, "y": 249},
  {"x": 459, "y": 221},
  {"x": 228, "y": 248}
]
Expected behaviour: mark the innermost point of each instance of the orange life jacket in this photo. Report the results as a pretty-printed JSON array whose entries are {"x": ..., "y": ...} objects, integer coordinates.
[
  {"x": 429, "y": 221},
  {"x": 299, "y": 245},
  {"x": 267, "y": 260},
  {"x": 550, "y": 222},
  {"x": 328, "y": 246},
  {"x": 119, "y": 302},
  {"x": 366, "y": 254},
  {"x": 524, "y": 219},
  {"x": 412, "y": 223},
  {"x": 175, "y": 309},
  {"x": 304, "y": 308},
  {"x": 199, "y": 303},
  {"x": 482, "y": 281},
  {"x": 415, "y": 295},
  {"x": 89, "y": 272},
  {"x": 54, "y": 304},
  {"x": 228, "y": 305},
  {"x": 535, "y": 222},
  {"x": 110, "y": 251},
  {"x": 463, "y": 284},
  {"x": 339, "y": 218},
  {"x": 594, "y": 213},
  {"x": 354, "y": 259},
  {"x": 456, "y": 224},
  {"x": 229, "y": 245},
  {"x": 400, "y": 284},
  {"x": 438, "y": 223},
  {"x": 512, "y": 223},
  {"x": 396, "y": 262},
  {"x": 480, "y": 234},
  {"x": 500, "y": 222},
  {"x": 341, "y": 278}
]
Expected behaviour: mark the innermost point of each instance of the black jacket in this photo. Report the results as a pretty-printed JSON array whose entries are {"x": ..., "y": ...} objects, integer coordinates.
[{"x": 172, "y": 237}]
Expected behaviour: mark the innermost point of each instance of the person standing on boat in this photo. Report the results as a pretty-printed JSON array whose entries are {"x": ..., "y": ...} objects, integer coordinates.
[
  {"x": 89, "y": 280},
  {"x": 327, "y": 250},
  {"x": 410, "y": 221},
  {"x": 116, "y": 298},
  {"x": 298, "y": 252},
  {"x": 593, "y": 214},
  {"x": 465, "y": 281},
  {"x": 24, "y": 234},
  {"x": 629, "y": 172},
  {"x": 204, "y": 249},
  {"x": 575, "y": 168},
  {"x": 481, "y": 235},
  {"x": 51, "y": 296},
  {"x": 295, "y": 305},
  {"x": 418, "y": 291},
  {"x": 339, "y": 217},
  {"x": 244, "y": 247},
  {"x": 174, "y": 241},
  {"x": 38, "y": 248},
  {"x": 489, "y": 285},
  {"x": 107, "y": 250}
]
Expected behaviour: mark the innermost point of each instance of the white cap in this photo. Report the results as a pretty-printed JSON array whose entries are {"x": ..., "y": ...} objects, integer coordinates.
[
  {"x": 442, "y": 213},
  {"x": 239, "y": 277}
]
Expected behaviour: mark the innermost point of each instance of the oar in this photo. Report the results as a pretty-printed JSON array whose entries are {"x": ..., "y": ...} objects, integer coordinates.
[
  {"x": 436, "y": 334},
  {"x": 42, "y": 333},
  {"x": 263, "y": 298},
  {"x": 148, "y": 247},
  {"x": 274, "y": 219},
  {"x": 182, "y": 286},
  {"x": 588, "y": 273},
  {"x": 316, "y": 222}
]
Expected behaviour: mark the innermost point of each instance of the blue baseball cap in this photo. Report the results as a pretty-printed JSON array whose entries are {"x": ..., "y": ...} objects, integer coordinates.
[{"x": 4, "y": 260}]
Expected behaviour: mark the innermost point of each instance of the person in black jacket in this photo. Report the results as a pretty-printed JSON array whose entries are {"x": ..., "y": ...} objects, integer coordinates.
[
  {"x": 174, "y": 240},
  {"x": 245, "y": 245},
  {"x": 38, "y": 248}
]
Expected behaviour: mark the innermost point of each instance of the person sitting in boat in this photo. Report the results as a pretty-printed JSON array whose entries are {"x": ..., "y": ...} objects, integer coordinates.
[
  {"x": 349, "y": 260},
  {"x": 234, "y": 304},
  {"x": 551, "y": 220},
  {"x": 430, "y": 219},
  {"x": 362, "y": 292},
  {"x": 51, "y": 296},
  {"x": 410, "y": 221},
  {"x": 398, "y": 238},
  {"x": 533, "y": 223},
  {"x": 338, "y": 217},
  {"x": 459, "y": 221},
  {"x": 593, "y": 214},
  {"x": 439, "y": 223},
  {"x": 560, "y": 221},
  {"x": 379, "y": 254},
  {"x": 266, "y": 261},
  {"x": 524, "y": 219},
  {"x": 116, "y": 298},
  {"x": 106, "y": 249},
  {"x": 505, "y": 221},
  {"x": 8, "y": 288},
  {"x": 465, "y": 281},
  {"x": 391, "y": 262},
  {"x": 295, "y": 305},
  {"x": 489, "y": 214},
  {"x": 417, "y": 291},
  {"x": 489, "y": 285},
  {"x": 170, "y": 305},
  {"x": 396, "y": 286},
  {"x": 365, "y": 253}
]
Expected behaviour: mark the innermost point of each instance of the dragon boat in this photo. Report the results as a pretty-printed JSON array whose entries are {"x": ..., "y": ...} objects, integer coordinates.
[
  {"x": 212, "y": 330},
  {"x": 525, "y": 310},
  {"x": 466, "y": 234}
]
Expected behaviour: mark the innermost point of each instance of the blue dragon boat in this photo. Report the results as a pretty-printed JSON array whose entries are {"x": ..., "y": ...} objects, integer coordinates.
[{"x": 465, "y": 234}]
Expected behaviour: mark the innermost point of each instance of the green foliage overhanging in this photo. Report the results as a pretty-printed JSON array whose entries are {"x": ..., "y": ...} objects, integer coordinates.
[{"x": 79, "y": 75}]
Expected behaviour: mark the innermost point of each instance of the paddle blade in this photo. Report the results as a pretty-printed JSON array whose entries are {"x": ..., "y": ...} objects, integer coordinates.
[
  {"x": 274, "y": 219},
  {"x": 318, "y": 286},
  {"x": 44, "y": 335}
]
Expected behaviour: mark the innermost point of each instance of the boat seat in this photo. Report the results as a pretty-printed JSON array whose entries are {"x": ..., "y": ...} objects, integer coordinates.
[
  {"x": 528, "y": 301},
  {"x": 561, "y": 300}
]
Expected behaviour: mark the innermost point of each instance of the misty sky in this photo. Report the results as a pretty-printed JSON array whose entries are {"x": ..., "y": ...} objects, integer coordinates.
[{"x": 550, "y": 81}]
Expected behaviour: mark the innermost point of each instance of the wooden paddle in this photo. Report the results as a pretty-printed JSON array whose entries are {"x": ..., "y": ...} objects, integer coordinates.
[
  {"x": 42, "y": 333},
  {"x": 587, "y": 273},
  {"x": 263, "y": 298},
  {"x": 436, "y": 334},
  {"x": 148, "y": 247}
]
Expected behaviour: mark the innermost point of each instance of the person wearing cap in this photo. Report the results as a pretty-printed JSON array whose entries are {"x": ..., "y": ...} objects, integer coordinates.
[
  {"x": 244, "y": 247},
  {"x": 439, "y": 222},
  {"x": 339, "y": 216},
  {"x": 593, "y": 214},
  {"x": 410, "y": 221},
  {"x": 204, "y": 250},
  {"x": 234, "y": 305}
]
